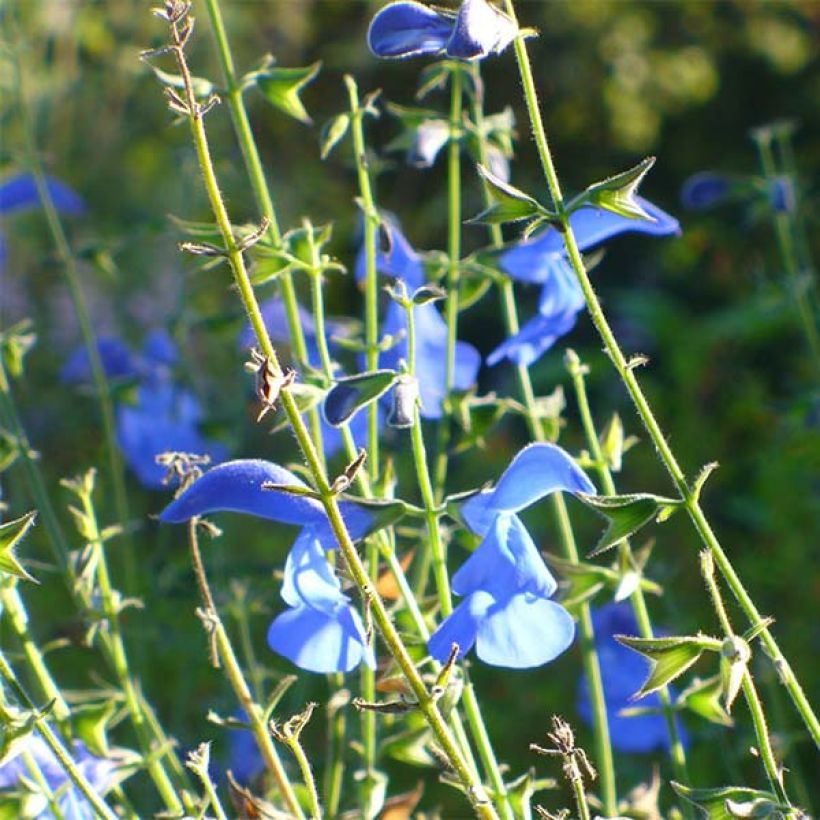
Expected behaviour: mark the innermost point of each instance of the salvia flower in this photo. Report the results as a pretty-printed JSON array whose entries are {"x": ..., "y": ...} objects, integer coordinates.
[
  {"x": 400, "y": 261},
  {"x": 709, "y": 189},
  {"x": 73, "y": 805},
  {"x": 623, "y": 672},
  {"x": 507, "y": 613},
  {"x": 542, "y": 260},
  {"x": 409, "y": 29},
  {"x": 320, "y": 631}
]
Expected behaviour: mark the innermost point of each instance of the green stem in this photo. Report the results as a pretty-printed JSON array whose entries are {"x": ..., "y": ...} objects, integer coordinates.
[
  {"x": 358, "y": 572},
  {"x": 577, "y": 370},
  {"x": 39, "y": 778},
  {"x": 307, "y": 776},
  {"x": 53, "y": 742},
  {"x": 334, "y": 769},
  {"x": 453, "y": 269},
  {"x": 627, "y": 374}
]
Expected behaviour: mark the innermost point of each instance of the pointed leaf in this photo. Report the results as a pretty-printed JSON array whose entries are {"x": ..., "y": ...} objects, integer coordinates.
[
  {"x": 714, "y": 801},
  {"x": 612, "y": 443},
  {"x": 11, "y": 533},
  {"x": 627, "y": 514},
  {"x": 332, "y": 133},
  {"x": 91, "y": 724},
  {"x": 349, "y": 395},
  {"x": 703, "y": 697},
  {"x": 509, "y": 204},
  {"x": 282, "y": 86},
  {"x": 618, "y": 193},
  {"x": 201, "y": 86}
]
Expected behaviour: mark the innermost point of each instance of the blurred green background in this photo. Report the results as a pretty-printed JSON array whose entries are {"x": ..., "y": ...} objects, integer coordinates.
[{"x": 729, "y": 377}]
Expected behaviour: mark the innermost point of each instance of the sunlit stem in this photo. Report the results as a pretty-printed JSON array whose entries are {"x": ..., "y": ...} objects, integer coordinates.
[
  {"x": 39, "y": 778},
  {"x": 627, "y": 374},
  {"x": 578, "y": 370},
  {"x": 356, "y": 567}
]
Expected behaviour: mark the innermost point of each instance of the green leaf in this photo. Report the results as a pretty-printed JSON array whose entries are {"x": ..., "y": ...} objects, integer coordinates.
[
  {"x": 670, "y": 657},
  {"x": 627, "y": 514},
  {"x": 617, "y": 193},
  {"x": 333, "y": 132},
  {"x": 15, "y": 343},
  {"x": 383, "y": 512},
  {"x": 509, "y": 204},
  {"x": 349, "y": 395},
  {"x": 612, "y": 443},
  {"x": 722, "y": 803},
  {"x": 703, "y": 697},
  {"x": 91, "y": 724},
  {"x": 410, "y": 747},
  {"x": 282, "y": 86},
  {"x": 11, "y": 533},
  {"x": 9, "y": 450},
  {"x": 201, "y": 86}
]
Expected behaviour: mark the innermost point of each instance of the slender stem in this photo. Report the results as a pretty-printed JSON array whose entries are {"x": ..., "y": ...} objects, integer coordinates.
[
  {"x": 627, "y": 374},
  {"x": 577, "y": 371},
  {"x": 210, "y": 791},
  {"x": 580, "y": 798},
  {"x": 453, "y": 269},
  {"x": 53, "y": 742},
  {"x": 39, "y": 778},
  {"x": 358, "y": 572},
  {"x": 334, "y": 769},
  {"x": 307, "y": 776}
]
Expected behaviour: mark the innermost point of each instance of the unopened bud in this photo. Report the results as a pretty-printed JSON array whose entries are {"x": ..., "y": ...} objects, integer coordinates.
[{"x": 405, "y": 399}]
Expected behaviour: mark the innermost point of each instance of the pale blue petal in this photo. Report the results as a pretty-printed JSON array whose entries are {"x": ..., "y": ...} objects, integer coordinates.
[
  {"x": 460, "y": 627},
  {"x": 309, "y": 579},
  {"x": 523, "y": 632},
  {"x": 537, "y": 471},
  {"x": 478, "y": 512},
  {"x": 561, "y": 293},
  {"x": 506, "y": 562},
  {"x": 320, "y": 643},
  {"x": 480, "y": 30},
  {"x": 430, "y": 137},
  {"x": 406, "y": 29}
]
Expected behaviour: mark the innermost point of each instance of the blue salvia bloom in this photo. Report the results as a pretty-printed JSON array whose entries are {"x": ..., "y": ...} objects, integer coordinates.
[
  {"x": 320, "y": 631},
  {"x": 542, "y": 260},
  {"x": 99, "y": 772},
  {"x": 19, "y": 193},
  {"x": 507, "y": 613},
  {"x": 118, "y": 362},
  {"x": 707, "y": 189},
  {"x": 409, "y": 29},
  {"x": 401, "y": 261},
  {"x": 623, "y": 672}
]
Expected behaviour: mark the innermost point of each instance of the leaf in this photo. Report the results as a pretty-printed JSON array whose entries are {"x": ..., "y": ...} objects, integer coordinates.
[
  {"x": 401, "y": 806},
  {"x": 333, "y": 132},
  {"x": 201, "y": 86},
  {"x": 382, "y": 512},
  {"x": 617, "y": 193},
  {"x": 349, "y": 395},
  {"x": 91, "y": 724},
  {"x": 627, "y": 514},
  {"x": 703, "y": 698},
  {"x": 282, "y": 86},
  {"x": 714, "y": 801},
  {"x": 11, "y": 533},
  {"x": 509, "y": 204},
  {"x": 612, "y": 443},
  {"x": 670, "y": 657},
  {"x": 15, "y": 343}
]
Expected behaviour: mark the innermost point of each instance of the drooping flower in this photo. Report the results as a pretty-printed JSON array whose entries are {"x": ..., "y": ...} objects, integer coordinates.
[
  {"x": 507, "y": 613},
  {"x": 400, "y": 261},
  {"x": 623, "y": 672},
  {"x": 320, "y": 631},
  {"x": 409, "y": 29},
  {"x": 542, "y": 260},
  {"x": 73, "y": 805}
]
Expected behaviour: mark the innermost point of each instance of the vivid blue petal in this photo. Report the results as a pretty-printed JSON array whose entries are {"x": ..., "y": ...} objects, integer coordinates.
[
  {"x": 244, "y": 759},
  {"x": 506, "y": 562},
  {"x": 478, "y": 513},
  {"x": 480, "y": 30},
  {"x": 524, "y": 631},
  {"x": 398, "y": 260},
  {"x": 460, "y": 627},
  {"x": 623, "y": 672},
  {"x": 319, "y": 642},
  {"x": 406, "y": 29},
  {"x": 781, "y": 194},
  {"x": 159, "y": 348},
  {"x": 561, "y": 293},
  {"x": 534, "y": 339},
  {"x": 116, "y": 358},
  {"x": 332, "y": 438},
  {"x": 706, "y": 190},
  {"x": 165, "y": 418},
  {"x": 536, "y": 471},
  {"x": 309, "y": 579},
  {"x": 19, "y": 193},
  {"x": 430, "y": 137}
]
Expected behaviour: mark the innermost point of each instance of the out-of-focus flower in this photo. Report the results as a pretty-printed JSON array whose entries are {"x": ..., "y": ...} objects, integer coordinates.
[
  {"x": 623, "y": 672},
  {"x": 506, "y": 612},
  {"x": 100, "y": 773},
  {"x": 115, "y": 356},
  {"x": 709, "y": 189},
  {"x": 399, "y": 260},
  {"x": 409, "y": 29},
  {"x": 542, "y": 260}
]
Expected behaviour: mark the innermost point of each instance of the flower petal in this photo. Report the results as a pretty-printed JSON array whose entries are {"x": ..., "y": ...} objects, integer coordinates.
[
  {"x": 538, "y": 470},
  {"x": 430, "y": 137},
  {"x": 480, "y": 30},
  {"x": 320, "y": 643},
  {"x": 399, "y": 259},
  {"x": 117, "y": 362},
  {"x": 460, "y": 627},
  {"x": 534, "y": 339},
  {"x": 706, "y": 190},
  {"x": 19, "y": 193},
  {"x": 523, "y": 632},
  {"x": 309, "y": 579},
  {"x": 406, "y": 29}
]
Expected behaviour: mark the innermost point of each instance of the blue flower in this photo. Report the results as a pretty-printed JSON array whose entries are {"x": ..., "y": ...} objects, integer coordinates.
[
  {"x": 408, "y": 29},
  {"x": 623, "y": 672},
  {"x": 506, "y": 612},
  {"x": 320, "y": 631},
  {"x": 117, "y": 361},
  {"x": 542, "y": 260},
  {"x": 708, "y": 189},
  {"x": 401, "y": 261},
  {"x": 100, "y": 773}
]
